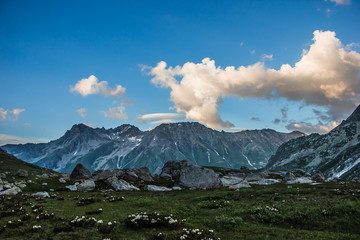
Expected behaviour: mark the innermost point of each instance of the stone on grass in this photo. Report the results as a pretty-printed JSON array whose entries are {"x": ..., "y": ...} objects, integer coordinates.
[
  {"x": 72, "y": 187},
  {"x": 257, "y": 176},
  {"x": 243, "y": 184},
  {"x": 227, "y": 181},
  {"x": 144, "y": 174},
  {"x": 156, "y": 188},
  {"x": 319, "y": 177},
  {"x": 120, "y": 184},
  {"x": 41, "y": 195},
  {"x": 11, "y": 191},
  {"x": 265, "y": 182},
  {"x": 300, "y": 180},
  {"x": 22, "y": 173},
  {"x": 80, "y": 172},
  {"x": 105, "y": 174},
  {"x": 87, "y": 185}
]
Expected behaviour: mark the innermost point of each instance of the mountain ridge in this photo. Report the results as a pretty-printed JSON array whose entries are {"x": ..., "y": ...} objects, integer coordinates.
[{"x": 126, "y": 146}]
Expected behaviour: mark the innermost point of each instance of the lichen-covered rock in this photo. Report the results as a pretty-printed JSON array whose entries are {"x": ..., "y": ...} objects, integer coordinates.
[
  {"x": 187, "y": 175},
  {"x": 80, "y": 172}
]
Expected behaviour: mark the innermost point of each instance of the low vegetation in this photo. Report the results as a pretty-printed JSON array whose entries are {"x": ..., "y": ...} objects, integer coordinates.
[{"x": 279, "y": 211}]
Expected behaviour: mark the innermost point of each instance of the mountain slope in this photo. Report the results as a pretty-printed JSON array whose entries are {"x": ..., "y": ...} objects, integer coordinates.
[
  {"x": 336, "y": 154},
  {"x": 128, "y": 147}
]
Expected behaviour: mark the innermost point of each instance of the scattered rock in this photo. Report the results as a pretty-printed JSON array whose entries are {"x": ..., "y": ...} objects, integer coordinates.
[
  {"x": 44, "y": 175},
  {"x": 41, "y": 195},
  {"x": 187, "y": 175},
  {"x": 319, "y": 177},
  {"x": 257, "y": 176},
  {"x": 105, "y": 174},
  {"x": 22, "y": 173},
  {"x": 62, "y": 180},
  {"x": 144, "y": 174},
  {"x": 289, "y": 176},
  {"x": 176, "y": 188},
  {"x": 120, "y": 184},
  {"x": 44, "y": 184},
  {"x": 266, "y": 182},
  {"x": 80, "y": 172},
  {"x": 243, "y": 184},
  {"x": 72, "y": 187},
  {"x": 227, "y": 180},
  {"x": 66, "y": 177},
  {"x": 1, "y": 188},
  {"x": 2, "y": 175},
  {"x": 156, "y": 188},
  {"x": 11, "y": 191},
  {"x": 300, "y": 180},
  {"x": 87, "y": 185}
]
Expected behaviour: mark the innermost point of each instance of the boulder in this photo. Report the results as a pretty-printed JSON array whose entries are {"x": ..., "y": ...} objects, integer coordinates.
[
  {"x": 80, "y": 172},
  {"x": 289, "y": 176},
  {"x": 265, "y": 182},
  {"x": 300, "y": 180},
  {"x": 44, "y": 175},
  {"x": 176, "y": 188},
  {"x": 229, "y": 180},
  {"x": 66, "y": 177},
  {"x": 144, "y": 174},
  {"x": 2, "y": 175},
  {"x": 187, "y": 175},
  {"x": 11, "y": 191},
  {"x": 101, "y": 175},
  {"x": 130, "y": 176},
  {"x": 319, "y": 177},
  {"x": 62, "y": 180},
  {"x": 1, "y": 188},
  {"x": 41, "y": 195},
  {"x": 119, "y": 184},
  {"x": 22, "y": 173},
  {"x": 87, "y": 185},
  {"x": 72, "y": 187},
  {"x": 156, "y": 188},
  {"x": 257, "y": 176},
  {"x": 243, "y": 184}
]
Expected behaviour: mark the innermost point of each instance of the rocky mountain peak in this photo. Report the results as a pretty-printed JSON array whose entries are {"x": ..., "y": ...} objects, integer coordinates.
[
  {"x": 354, "y": 117},
  {"x": 80, "y": 128}
]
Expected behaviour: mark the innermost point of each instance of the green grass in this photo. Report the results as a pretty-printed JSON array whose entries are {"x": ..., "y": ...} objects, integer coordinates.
[{"x": 280, "y": 211}]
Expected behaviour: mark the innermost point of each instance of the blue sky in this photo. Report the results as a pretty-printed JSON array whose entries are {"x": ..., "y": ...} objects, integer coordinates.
[{"x": 48, "y": 47}]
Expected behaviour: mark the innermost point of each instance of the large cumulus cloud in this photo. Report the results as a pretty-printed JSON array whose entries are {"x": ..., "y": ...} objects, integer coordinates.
[{"x": 327, "y": 75}]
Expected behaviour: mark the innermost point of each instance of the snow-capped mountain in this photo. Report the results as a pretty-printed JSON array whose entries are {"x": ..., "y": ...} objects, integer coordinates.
[
  {"x": 128, "y": 147},
  {"x": 336, "y": 154}
]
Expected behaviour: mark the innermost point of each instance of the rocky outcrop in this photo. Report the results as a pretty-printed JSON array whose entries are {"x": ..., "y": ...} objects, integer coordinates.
[
  {"x": 187, "y": 175},
  {"x": 80, "y": 172},
  {"x": 41, "y": 195}
]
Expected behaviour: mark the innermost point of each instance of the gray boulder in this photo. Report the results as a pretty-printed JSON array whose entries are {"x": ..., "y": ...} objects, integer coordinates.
[
  {"x": 229, "y": 180},
  {"x": 41, "y": 195},
  {"x": 101, "y": 175},
  {"x": 2, "y": 175},
  {"x": 87, "y": 185},
  {"x": 243, "y": 184},
  {"x": 80, "y": 172},
  {"x": 22, "y": 173},
  {"x": 257, "y": 176},
  {"x": 1, "y": 188},
  {"x": 62, "y": 180},
  {"x": 187, "y": 175},
  {"x": 265, "y": 182},
  {"x": 144, "y": 174},
  {"x": 120, "y": 184},
  {"x": 130, "y": 175},
  {"x": 319, "y": 177},
  {"x": 11, "y": 191},
  {"x": 289, "y": 176},
  {"x": 156, "y": 188},
  {"x": 72, "y": 187},
  {"x": 300, "y": 180}
]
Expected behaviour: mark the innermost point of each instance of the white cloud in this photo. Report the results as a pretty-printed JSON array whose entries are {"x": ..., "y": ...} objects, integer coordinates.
[
  {"x": 266, "y": 57},
  {"x": 116, "y": 113},
  {"x": 252, "y": 52},
  {"x": 11, "y": 115},
  {"x": 326, "y": 75},
  {"x": 91, "y": 85},
  {"x": 82, "y": 112},
  {"x": 341, "y": 2},
  {"x": 351, "y": 46},
  {"x": 307, "y": 127},
  {"x": 28, "y": 124},
  {"x": 158, "y": 118},
  {"x": 9, "y": 139}
]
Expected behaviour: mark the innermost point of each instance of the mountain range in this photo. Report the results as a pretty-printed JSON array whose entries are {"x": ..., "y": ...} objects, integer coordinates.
[
  {"x": 128, "y": 147},
  {"x": 335, "y": 154}
]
